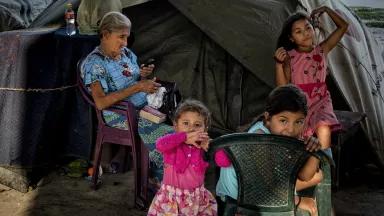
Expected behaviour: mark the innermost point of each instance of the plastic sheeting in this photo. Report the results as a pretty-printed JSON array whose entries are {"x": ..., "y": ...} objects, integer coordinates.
[
  {"x": 42, "y": 116},
  {"x": 357, "y": 65},
  {"x": 19, "y": 14},
  {"x": 199, "y": 65}
]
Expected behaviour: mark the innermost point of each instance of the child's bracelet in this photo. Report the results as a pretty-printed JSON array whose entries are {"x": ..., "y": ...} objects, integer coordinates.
[{"x": 277, "y": 60}]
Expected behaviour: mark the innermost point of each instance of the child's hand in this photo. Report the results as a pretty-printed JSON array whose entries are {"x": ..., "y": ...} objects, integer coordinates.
[
  {"x": 205, "y": 144},
  {"x": 312, "y": 144},
  {"x": 196, "y": 138},
  {"x": 318, "y": 11},
  {"x": 281, "y": 55}
]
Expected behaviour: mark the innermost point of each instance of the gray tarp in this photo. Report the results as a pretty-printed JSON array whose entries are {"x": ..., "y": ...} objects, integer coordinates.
[
  {"x": 201, "y": 67},
  {"x": 247, "y": 30},
  {"x": 19, "y": 14}
]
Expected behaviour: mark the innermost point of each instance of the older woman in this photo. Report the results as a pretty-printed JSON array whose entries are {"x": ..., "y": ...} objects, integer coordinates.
[
  {"x": 111, "y": 70},
  {"x": 112, "y": 74}
]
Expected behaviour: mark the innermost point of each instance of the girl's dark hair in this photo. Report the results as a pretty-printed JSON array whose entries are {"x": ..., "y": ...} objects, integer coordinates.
[
  {"x": 191, "y": 105},
  {"x": 286, "y": 32},
  {"x": 286, "y": 98}
]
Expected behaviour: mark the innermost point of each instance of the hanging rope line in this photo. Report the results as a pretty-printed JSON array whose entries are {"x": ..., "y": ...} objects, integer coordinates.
[{"x": 39, "y": 90}]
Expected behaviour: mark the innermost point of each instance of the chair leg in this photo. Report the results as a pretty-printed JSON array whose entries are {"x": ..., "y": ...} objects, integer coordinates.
[
  {"x": 135, "y": 166},
  {"x": 96, "y": 161},
  {"x": 140, "y": 177},
  {"x": 144, "y": 171}
]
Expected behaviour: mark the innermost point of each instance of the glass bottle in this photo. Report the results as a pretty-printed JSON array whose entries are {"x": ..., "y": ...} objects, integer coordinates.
[{"x": 69, "y": 16}]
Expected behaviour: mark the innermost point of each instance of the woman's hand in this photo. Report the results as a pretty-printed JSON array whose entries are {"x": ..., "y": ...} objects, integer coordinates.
[
  {"x": 146, "y": 70},
  {"x": 148, "y": 86},
  {"x": 312, "y": 144},
  {"x": 281, "y": 55},
  {"x": 197, "y": 138}
]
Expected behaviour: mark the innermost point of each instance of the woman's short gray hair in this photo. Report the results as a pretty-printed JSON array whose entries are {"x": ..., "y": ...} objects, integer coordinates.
[{"x": 113, "y": 21}]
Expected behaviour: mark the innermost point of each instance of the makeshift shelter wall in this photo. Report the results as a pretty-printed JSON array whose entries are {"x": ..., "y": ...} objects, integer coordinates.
[
  {"x": 201, "y": 68},
  {"x": 42, "y": 117},
  {"x": 246, "y": 29}
]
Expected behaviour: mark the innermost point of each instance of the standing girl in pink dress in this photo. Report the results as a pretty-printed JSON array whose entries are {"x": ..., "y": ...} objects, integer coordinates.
[
  {"x": 301, "y": 62},
  {"x": 182, "y": 191}
]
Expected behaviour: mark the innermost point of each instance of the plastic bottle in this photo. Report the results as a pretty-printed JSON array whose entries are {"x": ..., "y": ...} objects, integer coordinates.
[{"x": 69, "y": 16}]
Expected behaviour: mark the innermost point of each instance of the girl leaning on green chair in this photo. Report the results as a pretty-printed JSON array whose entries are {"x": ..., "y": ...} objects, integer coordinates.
[{"x": 285, "y": 112}]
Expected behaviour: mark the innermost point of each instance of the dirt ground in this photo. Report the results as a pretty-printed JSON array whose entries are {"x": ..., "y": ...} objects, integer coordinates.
[
  {"x": 362, "y": 193},
  {"x": 61, "y": 195}
]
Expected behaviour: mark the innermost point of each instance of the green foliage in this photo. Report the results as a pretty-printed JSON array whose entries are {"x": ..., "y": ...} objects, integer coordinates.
[
  {"x": 375, "y": 24},
  {"x": 367, "y": 13},
  {"x": 373, "y": 17}
]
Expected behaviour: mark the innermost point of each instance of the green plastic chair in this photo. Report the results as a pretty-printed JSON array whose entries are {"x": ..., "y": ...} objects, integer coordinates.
[{"x": 267, "y": 168}]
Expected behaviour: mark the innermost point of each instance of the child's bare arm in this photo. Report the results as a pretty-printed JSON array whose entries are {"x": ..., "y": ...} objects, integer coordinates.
[
  {"x": 317, "y": 178},
  {"x": 311, "y": 166},
  {"x": 282, "y": 67},
  {"x": 309, "y": 169},
  {"x": 342, "y": 26}
]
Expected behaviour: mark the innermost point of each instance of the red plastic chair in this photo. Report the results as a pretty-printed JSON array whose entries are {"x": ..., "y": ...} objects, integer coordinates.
[{"x": 107, "y": 134}]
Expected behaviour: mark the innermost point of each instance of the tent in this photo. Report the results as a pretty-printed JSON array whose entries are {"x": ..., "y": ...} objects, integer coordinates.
[
  {"x": 220, "y": 52},
  {"x": 227, "y": 60}
]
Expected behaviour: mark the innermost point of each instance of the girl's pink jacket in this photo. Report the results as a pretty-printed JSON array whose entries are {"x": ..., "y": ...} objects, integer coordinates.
[{"x": 179, "y": 154}]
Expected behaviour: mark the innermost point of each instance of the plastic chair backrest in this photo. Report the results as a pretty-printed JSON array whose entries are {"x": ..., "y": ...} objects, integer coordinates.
[
  {"x": 86, "y": 95},
  {"x": 83, "y": 90},
  {"x": 266, "y": 168}
]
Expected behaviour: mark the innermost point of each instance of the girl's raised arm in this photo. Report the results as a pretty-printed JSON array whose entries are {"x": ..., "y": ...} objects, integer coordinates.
[{"x": 342, "y": 26}]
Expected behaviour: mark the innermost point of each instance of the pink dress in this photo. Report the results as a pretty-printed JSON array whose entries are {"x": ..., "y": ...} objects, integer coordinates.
[
  {"x": 182, "y": 191},
  {"x": 308, "y": 72}
]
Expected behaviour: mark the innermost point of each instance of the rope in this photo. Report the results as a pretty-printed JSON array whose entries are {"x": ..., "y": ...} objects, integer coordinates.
[
  {"x": 37, "y": 89},
  {"x": 375, "y": 82},
  {"x": 342, "y": 46}
]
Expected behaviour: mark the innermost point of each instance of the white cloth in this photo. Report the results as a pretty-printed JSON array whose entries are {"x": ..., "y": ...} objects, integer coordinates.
[{"x": 155, "y": 100}]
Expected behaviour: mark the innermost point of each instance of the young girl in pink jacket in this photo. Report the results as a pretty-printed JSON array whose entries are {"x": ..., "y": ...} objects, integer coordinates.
[{"x": 182, "y": 191}]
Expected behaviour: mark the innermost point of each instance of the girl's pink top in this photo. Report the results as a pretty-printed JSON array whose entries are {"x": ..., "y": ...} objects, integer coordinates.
[
  {"x": 184, "y": 166},
  {"x": 308, "y": 72},
  {"x": 222, "y": 159}
]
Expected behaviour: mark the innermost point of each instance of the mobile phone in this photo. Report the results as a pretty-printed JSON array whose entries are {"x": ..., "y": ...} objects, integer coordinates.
[{"x": 149, "y": 62}]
